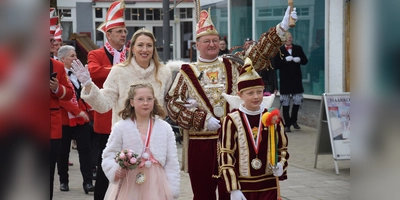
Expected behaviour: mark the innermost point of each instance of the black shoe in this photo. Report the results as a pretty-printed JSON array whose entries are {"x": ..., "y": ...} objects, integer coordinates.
[
  {"x": 287, "y": 129},
  {"x": 64, "y": 187},
  {"x": 296, "y": 126},
  {"x": 88, "y": 187}
]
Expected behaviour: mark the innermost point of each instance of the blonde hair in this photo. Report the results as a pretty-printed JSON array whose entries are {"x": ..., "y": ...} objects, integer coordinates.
[
  {"x": 129, "y": 110},
  {"x": 155, "y": 56}
]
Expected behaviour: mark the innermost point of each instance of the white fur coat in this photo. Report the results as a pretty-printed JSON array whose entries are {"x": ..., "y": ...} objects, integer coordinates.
[
  {"x": 116, "y": 87},
  {"x": 162, "y": 145}
]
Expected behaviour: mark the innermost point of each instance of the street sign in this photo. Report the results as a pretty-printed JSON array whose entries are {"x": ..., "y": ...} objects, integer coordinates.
[{"x": 334, "y": 127}]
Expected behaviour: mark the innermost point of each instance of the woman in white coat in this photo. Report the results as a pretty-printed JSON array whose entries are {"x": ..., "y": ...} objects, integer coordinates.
[
  {"x": 143, "y": 64},
  {"x": 143, "y": 131}
]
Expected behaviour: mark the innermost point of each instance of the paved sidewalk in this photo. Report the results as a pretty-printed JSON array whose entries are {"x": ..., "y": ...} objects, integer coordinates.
[{"x": 304, "y": 182}]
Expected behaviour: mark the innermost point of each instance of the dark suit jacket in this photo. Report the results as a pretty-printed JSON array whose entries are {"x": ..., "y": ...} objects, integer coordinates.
[{"x": 290, "y": 72}]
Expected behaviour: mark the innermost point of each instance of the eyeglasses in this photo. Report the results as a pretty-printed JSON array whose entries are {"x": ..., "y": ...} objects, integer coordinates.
[
  {"x": 142, "y": 100},
  {"x": 52, "y": 41},
  {"x": 208, "y": 42}
]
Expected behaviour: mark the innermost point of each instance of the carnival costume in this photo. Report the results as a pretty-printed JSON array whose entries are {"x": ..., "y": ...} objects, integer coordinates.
[
  {"x": 205, "y": 81},
  {"x": 244, "y": 151}
]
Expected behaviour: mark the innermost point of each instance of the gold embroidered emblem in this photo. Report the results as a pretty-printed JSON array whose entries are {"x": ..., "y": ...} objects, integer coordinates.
[
  {"x": 213, "y": 76},
  {"x": 255, "y": 132}
]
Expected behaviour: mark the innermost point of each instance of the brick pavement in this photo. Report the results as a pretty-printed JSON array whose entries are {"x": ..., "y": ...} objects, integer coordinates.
[{"x": 304, "y": 182}]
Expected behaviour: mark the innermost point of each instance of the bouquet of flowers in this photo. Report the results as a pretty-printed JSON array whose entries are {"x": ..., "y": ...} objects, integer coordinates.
[{"x": 127, "y": 159}]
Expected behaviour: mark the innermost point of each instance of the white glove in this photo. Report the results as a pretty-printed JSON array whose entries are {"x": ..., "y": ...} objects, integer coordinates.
[
  {"x": 81, "y": 72},
  {"x": 296, "y": 59},
  {"x": 191, "y": 103},
  {"x": 213, "y": 124},
  {"x": 279, "y": 170},
  {"x": 289, "y": 58},
  {"x": 237, "y": 195},
  {"x": 285, "y": 21}
]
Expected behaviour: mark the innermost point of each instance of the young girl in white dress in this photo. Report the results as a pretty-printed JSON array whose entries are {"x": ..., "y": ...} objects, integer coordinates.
[{"x": 143, "y": 131}]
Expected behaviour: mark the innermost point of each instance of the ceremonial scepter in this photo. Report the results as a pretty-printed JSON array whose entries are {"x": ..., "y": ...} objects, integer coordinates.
[
  {"x": 270, "y": 120},
  {"x": 292, "y": 23}
]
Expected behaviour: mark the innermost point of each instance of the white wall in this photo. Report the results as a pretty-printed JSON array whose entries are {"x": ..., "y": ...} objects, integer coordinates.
[
  {"x": 70, "y": 3},
  {"x": 335, "y": 50}
]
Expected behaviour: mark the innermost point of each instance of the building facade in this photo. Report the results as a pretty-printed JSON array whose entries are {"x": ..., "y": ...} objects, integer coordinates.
[
  {"x": 322, "y": 30},
  {"x": 84, "y": 16}
]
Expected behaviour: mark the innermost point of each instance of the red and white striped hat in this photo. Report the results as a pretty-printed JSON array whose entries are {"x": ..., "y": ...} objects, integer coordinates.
[
  {"x": 58, "y": 33},
  {"x": 114, "y": 18},
  {"x": 53, "y": 21},
  {"x": 205, "y": 26}
]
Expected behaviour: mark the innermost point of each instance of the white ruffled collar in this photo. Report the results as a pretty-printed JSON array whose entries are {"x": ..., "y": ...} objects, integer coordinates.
[
  {"x": 206, "y": 60},
  {"x": 250, "y": 112}
]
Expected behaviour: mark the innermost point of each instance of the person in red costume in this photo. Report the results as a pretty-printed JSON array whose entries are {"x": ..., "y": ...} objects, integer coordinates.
[
  {"x": 100, "y": 62},
  {"x": 59, "y": 90},
  {"x": 75, "y": 124}
]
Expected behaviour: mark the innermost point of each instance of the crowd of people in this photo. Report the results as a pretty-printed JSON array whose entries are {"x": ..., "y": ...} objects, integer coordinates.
[{"x": 127, "y": 92}]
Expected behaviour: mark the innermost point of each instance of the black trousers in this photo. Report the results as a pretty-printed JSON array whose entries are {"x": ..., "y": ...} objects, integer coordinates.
[
  {"x": 81, "y": 133},
  {"x": 101, "y": 180},
  {"x": 54, "y": 151},
  {"x": 94, "y": 148}
]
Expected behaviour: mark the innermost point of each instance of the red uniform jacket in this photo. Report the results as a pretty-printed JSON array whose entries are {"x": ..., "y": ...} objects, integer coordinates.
[
  {"x": 99, "y": 66},
  {"x": 68, "y": 106},
  {"x": 65, "y": 92}
]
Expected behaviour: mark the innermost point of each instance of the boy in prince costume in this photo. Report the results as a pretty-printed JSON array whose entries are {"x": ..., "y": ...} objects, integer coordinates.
[{"x": 252, "y": 149}]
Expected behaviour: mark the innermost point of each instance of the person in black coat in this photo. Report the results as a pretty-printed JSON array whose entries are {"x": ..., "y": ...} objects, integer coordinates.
[
  {"x": 288, "y": 63},
  {"x": 223, "y": 46}
]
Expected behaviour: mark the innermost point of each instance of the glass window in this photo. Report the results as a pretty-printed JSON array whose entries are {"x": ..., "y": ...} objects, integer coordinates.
[
  {"x": 171, "y": 15},
  {"x": 302, "y": 11},
  {"x": 99, "y": 35},
  {"x": 182, "y": 13},
  {"x": 99, "y": 13},
  {"x": 224, "y": 13},
  {"x": 309, "y": 34},
  {"x": 149, "y": 14},
  {"x": 189, "y": 13},
  {"x": 128, "y": 15},
  {"x": 157, "y": 14},
  {"x": 187, "y": 38},
  {"x": 241, "y": 24},
  {"x": 134, "y": 14},
  {"x": 67, "y": 30},
  {"x": 141, "y": 14},
  {"x": 65, "y": 12}
]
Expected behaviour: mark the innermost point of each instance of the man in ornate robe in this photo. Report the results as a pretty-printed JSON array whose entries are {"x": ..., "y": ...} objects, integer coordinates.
[{"x": 195, "y": 99}]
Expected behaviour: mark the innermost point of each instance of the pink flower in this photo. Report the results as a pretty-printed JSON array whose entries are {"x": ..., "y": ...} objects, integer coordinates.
[
  {"x": 122, "y": 155},
  {"x": 133, "y": 160},
  {"x": 129, "y": 154}
]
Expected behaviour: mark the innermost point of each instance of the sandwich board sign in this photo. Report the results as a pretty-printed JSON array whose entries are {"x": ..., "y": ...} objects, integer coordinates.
[{"x": 334, "y": 127}]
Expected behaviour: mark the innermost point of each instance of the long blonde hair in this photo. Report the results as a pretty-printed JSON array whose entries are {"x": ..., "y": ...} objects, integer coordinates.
[
  {"x": 129, "y": 110},
  {"x": 155, "y": 56}
]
